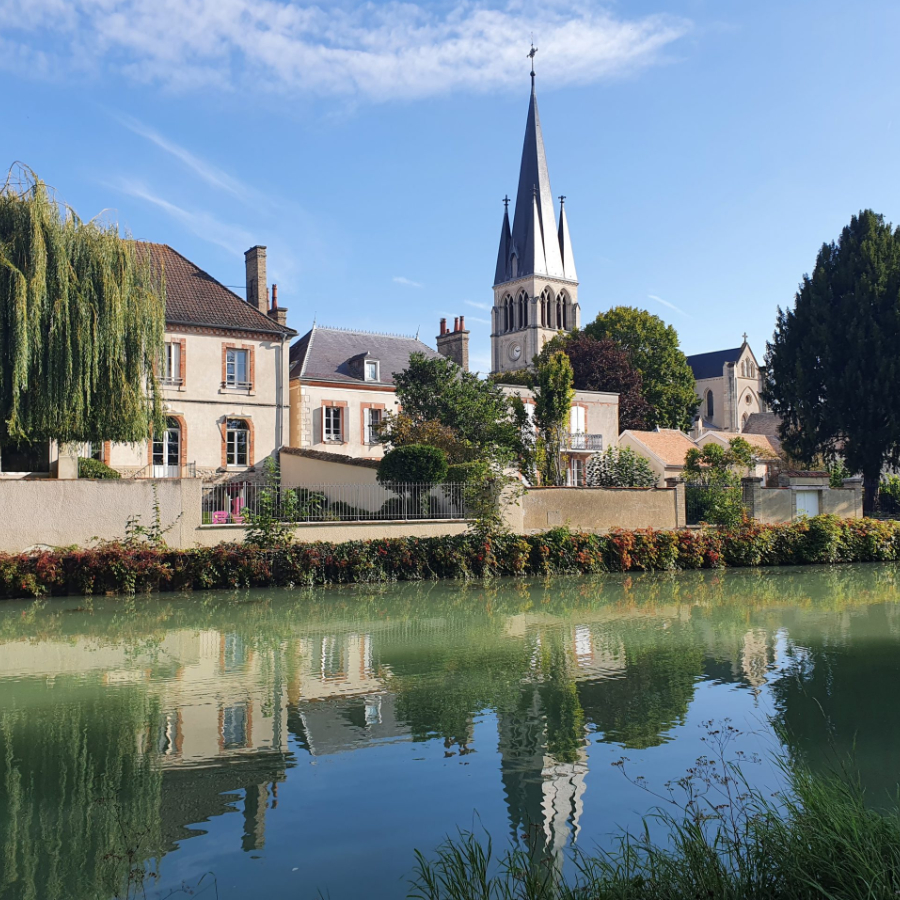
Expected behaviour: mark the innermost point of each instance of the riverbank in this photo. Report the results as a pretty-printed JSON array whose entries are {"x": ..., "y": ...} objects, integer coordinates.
[
  {"x": 728, "y": 841},
  {"x": 127, "y": 568}
]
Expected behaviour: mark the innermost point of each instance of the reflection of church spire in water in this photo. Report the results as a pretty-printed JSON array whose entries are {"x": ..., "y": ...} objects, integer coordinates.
[{"x": 544, "y": 794}]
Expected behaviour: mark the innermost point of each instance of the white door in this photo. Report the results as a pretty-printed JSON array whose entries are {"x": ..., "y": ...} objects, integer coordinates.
[
  {"x": 807, "y": 503},
  {"x": 167, "y": 453}
]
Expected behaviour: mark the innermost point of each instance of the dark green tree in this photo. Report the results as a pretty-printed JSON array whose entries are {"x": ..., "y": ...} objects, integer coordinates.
[
  {"x": 667, "y": 379},
  {"x": 602, "y": 365},
  {"x": 477, "y": 411},
  {"x": 832, "y": 374},
  {"x": 82, "y": 318}
]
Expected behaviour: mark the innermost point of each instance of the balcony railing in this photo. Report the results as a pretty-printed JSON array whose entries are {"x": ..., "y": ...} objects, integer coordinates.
[{"x": 588, "y": 443}]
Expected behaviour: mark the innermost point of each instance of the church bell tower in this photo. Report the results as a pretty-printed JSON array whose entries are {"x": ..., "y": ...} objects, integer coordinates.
[{"x": 535, "y": 285}]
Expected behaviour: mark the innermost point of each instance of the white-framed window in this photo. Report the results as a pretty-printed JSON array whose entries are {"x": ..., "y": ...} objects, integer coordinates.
[
  {"x": 237, "y": 443},
  {"x": 371, "y": 370},
  {"x": 576, "y": 472},
  {"x": 172, "y": 363},
  {"x": 577, "y": 420},
  {"x": 373, "y": 420},
  {"x": 333, "y": 423},
  {"x": 237, "y": 368}
]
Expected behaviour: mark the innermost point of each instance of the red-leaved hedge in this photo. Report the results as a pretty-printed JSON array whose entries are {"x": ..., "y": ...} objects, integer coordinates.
[{"x": 119, "y": 568}]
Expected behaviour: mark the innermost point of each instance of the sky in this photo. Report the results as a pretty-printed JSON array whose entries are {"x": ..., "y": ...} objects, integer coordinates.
[{"x": 706, "y": 148}]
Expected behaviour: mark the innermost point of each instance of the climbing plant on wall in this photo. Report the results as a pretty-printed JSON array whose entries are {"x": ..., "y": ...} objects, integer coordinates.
[{"x": 82, "y": 318}]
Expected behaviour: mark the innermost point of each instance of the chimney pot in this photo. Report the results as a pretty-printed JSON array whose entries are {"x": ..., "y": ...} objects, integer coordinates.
[
  {"x": 443, "y": 326},
  {"x": 274, "y": 296},
  {"x": 456, "y": 324},
  {"x": 462, "y": 323}
]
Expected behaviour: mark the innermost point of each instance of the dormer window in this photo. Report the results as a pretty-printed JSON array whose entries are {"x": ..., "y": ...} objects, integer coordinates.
[{"x": 371, "y": 370}]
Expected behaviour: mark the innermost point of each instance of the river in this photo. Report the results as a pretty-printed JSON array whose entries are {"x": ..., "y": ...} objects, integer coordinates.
[{"x": 286, "y": 743}]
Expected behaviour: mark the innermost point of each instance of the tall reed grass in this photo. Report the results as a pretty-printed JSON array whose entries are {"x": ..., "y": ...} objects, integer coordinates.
[{"x": 817, "y": 839}]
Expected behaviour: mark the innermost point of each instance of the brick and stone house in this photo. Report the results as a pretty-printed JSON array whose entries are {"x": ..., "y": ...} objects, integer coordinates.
[
  {"x": 223, "y": 376},
  {"x": 342, "y": 386}
]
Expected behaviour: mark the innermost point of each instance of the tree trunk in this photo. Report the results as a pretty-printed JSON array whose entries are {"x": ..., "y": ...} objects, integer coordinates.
[{"x": 871, "y": 479}]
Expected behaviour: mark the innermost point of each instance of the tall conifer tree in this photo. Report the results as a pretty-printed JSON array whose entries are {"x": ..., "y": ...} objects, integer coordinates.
[{"x": 833, "y": 366}]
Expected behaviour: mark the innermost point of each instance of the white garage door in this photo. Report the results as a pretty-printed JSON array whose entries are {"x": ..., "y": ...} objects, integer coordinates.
[{"x": 807, "y": 503}]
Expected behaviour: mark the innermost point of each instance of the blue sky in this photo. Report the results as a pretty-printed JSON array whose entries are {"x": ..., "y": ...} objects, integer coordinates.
[{"x": 706, "y": 147}]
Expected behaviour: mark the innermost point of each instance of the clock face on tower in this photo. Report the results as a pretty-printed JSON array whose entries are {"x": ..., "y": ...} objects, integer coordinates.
[{"x": 515, "y": 351}]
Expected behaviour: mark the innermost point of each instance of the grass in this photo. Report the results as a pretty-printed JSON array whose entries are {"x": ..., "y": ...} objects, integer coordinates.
[{"x": 817, "y": 839}]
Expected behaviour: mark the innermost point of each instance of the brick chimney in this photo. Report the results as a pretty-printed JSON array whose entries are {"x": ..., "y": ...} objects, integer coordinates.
[
  {"x": 276, "y": 312},
  {"x": 257, "y": 287},
  {"x": 455, "y": 344}
]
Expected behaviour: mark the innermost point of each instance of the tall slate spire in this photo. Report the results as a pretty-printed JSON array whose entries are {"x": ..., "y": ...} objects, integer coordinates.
[{"x": 534, "y": 193}]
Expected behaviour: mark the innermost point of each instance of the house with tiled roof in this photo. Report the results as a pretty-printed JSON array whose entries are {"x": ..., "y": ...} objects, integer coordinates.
[
  {"x": 729, "y": 385},
  {"x": 766, "y": 449},
  {"x": 665, "y": 449},
  {"x": 224, "y": 375},
  {"x": 342, "y": 385}
]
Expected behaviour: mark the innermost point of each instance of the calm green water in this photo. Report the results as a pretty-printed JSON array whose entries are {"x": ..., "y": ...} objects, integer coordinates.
[{"x": 291, "y": 742}]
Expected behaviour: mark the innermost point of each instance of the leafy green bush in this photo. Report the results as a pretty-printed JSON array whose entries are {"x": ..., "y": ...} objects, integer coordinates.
[
  {"x": 413, "y": 464},
  {"x": 119, "y": 567},
  {"x": 619, "y": 467},
  {"x": 467, "y": 473},
  {"x": 93, "y": 468}
]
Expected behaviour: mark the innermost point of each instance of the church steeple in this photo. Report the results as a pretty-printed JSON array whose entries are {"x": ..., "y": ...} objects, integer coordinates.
[
  {"x": 534, "y": 193},
  {"x": 535, "y": 285}
]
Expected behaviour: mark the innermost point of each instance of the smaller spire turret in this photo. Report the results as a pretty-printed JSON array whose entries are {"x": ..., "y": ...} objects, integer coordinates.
[
  {"x": 565, "y": 243},
  {"x": 504, "y": 254}
]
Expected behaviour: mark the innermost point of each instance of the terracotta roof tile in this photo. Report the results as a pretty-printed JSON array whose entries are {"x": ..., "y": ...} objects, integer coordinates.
[
  {"x": 766, "y": 444},
  {"x": 194, "y": 297},
  {"x": 670, "y": 445}
]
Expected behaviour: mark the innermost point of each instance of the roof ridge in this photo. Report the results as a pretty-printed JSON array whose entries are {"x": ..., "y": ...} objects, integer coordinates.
[{"x": 393, "y": 334}]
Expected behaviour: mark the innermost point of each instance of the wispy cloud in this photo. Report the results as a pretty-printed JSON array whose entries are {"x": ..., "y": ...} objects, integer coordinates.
[
  {"x": 666, "y": 303},
  {"x": 207, "y": 171},
  {"x": 480, "y": 321},
  {"x": 484, "y": 306},
  {"x": 206, "y": 226},
  {"x": 408, "y": 282},
  {"x": 378, "y": 51}
]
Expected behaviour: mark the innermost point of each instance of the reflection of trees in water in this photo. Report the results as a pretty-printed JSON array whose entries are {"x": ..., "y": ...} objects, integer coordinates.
[
  {"x": 650, "y": 697},
  {"x": 75, "y": 795},
  {"x": 450, "y": 651},
  {"x": 836, "y": 701}
]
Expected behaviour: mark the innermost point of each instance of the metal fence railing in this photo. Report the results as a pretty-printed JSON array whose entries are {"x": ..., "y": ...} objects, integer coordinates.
[
  {"x": 712, "y": 504},
  {"x": 230, "y": 503}
]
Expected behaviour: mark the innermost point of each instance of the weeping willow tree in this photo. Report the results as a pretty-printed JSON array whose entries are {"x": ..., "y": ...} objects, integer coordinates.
[{"x": 82, "y": 318}]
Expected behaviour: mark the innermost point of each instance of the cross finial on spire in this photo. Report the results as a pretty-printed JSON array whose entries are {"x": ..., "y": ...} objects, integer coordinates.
[
  {"x": 562, "y": 200},
  {"x": 531, "y": 57},
  {"x": 506, "y": 202},
  {"x": 745, "y": 337}
]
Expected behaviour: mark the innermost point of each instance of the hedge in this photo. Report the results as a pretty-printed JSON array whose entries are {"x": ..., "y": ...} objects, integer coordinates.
[{"x": 114, "y": 568}]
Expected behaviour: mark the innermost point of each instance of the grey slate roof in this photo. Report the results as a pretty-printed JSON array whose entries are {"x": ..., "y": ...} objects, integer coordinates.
[
  {"x": 762, "y": 423},
  {"x": 709, "y": 365},
  {"x": 324, "y": 354},
  {"x": 534, "y": 240},
  {"x": 194, "y": 297}
]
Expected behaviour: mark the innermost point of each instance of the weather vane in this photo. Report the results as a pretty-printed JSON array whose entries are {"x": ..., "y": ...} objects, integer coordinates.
[{"x": 531, "y": 55}]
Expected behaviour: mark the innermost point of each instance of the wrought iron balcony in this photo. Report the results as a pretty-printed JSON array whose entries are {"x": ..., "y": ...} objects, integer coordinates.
[{"x": 587, "y": 443}]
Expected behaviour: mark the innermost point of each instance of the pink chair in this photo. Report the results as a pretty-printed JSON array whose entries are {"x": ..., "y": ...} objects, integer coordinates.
[
  {"x": 236, "y": 506},
  {"x": 220, "y": 518}
]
